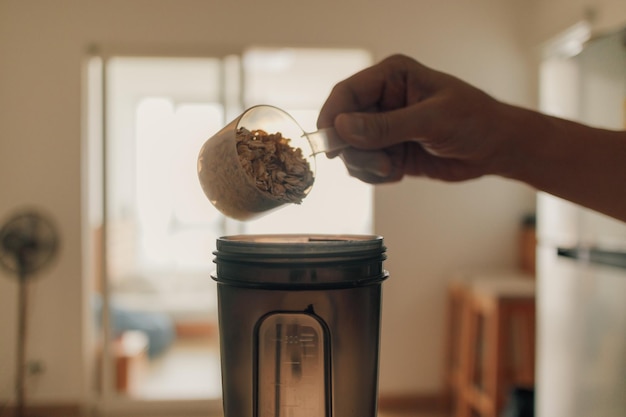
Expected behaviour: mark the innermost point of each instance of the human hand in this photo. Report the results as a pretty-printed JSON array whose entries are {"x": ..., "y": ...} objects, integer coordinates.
[{"x": 402, "y": 118}]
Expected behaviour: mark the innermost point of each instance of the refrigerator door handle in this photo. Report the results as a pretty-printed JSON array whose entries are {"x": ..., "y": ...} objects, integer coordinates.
[{"x": 592, "y": 255}]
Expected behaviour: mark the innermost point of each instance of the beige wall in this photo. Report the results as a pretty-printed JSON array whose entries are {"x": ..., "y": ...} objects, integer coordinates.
[{"x": 430, "y": 228}]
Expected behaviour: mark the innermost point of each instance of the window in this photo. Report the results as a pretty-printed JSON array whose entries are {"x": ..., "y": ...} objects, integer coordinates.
[{"x": 298, "y": 81}]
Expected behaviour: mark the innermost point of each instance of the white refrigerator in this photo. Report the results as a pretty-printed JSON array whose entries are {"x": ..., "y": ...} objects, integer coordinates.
[{"x": 581, "y": 256}]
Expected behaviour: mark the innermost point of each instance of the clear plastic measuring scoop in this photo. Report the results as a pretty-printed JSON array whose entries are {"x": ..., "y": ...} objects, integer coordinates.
[
  {"x": 325, "y": 140},
  {"x": 246, "y": 170}
]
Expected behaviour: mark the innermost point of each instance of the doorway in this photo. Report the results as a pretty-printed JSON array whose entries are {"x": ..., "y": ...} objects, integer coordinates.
[{"x": 153, "y": 228}]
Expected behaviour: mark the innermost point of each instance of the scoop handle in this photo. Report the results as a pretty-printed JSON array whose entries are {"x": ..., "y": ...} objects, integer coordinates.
[{"x": 325, "y": 140}]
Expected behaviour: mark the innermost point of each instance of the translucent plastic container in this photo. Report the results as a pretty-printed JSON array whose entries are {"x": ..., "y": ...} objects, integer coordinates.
[{"x": 244, "y": 195}]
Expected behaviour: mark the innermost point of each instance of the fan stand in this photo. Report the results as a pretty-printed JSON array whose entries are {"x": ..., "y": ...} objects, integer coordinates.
[
  {"x": 20, "y": 386},
  {"x": 28, "y": 242}
]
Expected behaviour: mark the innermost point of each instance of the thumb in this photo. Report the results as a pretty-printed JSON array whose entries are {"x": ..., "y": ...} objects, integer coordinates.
[{"x": 374, "y": 130}]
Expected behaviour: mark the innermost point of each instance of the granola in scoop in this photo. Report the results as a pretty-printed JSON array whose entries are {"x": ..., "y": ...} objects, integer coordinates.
[{"x": 276, "y": 167}]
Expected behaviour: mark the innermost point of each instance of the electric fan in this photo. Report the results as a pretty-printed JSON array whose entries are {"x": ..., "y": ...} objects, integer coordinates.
[{"x": 28, "y": 243}]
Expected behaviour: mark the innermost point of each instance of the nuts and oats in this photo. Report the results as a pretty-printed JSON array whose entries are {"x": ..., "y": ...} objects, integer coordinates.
[
  {"x": 246, "y": 173},
  {"x": 277, "y": 168}
]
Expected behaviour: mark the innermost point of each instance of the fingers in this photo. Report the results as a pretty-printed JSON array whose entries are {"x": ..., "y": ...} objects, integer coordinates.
[
  {"x": 375, "y": 167},
  {"x": 386, "y": 104},
  {"x": 380, "y": 130},
  {"x": 379, "y": 87},
  {"x": 357, "y": 93},
  {"x": 374, "y": 162}
]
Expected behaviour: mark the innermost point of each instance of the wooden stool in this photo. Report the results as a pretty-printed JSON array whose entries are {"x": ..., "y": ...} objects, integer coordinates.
[
  {"x": 457, "y": 292},
  {"x": 497, "y": 343}
]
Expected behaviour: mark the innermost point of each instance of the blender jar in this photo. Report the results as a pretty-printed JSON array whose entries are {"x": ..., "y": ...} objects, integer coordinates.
[{"x": 299, "y": 320}]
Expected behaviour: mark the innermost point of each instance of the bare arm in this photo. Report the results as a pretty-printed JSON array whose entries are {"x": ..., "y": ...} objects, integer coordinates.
[
  {"x": 579, "y": 163},
  {"x": 403, "y": 118}
]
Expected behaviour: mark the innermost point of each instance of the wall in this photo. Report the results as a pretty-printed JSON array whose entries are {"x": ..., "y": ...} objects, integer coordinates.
[{"x": 430, "y": 228}]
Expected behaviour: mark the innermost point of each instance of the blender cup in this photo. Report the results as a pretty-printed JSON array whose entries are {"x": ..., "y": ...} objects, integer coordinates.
[
  {"x": 299, "y": 322},
  {"x": 245, "y": 177}
]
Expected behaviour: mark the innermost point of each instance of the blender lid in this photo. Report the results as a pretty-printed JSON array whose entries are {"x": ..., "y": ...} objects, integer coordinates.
[{"x": 300, "y": 261}]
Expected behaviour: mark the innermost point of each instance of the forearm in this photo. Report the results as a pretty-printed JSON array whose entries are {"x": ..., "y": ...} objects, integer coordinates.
[{"x": 579, "y": 163}]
